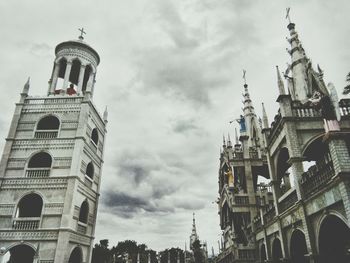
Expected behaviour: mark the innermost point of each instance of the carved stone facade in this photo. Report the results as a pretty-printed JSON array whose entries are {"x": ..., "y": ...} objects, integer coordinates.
[
  {"x": 300, "y": 212},
  {"x": 50, "y": 170}
]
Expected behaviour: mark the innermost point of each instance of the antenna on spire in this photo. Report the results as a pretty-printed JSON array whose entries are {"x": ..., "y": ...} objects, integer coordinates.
[
  {"x": 287, "y": 15},
  {"x": 244, "y": 73},
  {"x": 82, "y": 32}
]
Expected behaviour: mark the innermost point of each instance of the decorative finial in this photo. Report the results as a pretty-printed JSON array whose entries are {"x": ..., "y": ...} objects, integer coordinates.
[
  {"x": 265, "y": 119},
  {"x": 224, "y": 144},
  {"x": 105, "y": 115},
  {"x": 236, "y": 137},
  {"x": 287, "y": 15},
  {"x": 26, "y": 87},
  {"x": 244, "y": 78},
  {"x": 280, "y": 82},
  {"x": 82, "y": 32}
]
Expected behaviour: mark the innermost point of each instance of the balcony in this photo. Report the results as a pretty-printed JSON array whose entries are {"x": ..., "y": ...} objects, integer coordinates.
[
  {"x": 37, "y": 172},
  {"x": 269, "y": 215},
  {"x": 246, "y": 254},
  {"x": 316, "y": 177},
  {"x": 241, "y": 200},
  {"x": 26, "y": 223},
  {"x": 46, "y": 134},
  {"x": 288, "y": 201},
  {"x": 304, "y": 111},
  {"x": 237, "y": 155}
]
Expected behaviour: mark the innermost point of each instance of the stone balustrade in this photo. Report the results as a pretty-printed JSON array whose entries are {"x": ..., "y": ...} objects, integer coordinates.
[
  {"x": 270, "y": 214},
  {"x": 288, "y": 201},
  {"x": 46, "y": 134},
  {"x": 37, "y": 172},
  {"x": 26, "y": 223},
  {"x": 241, "y": 200},
  {"x": 316, "y": 177}
]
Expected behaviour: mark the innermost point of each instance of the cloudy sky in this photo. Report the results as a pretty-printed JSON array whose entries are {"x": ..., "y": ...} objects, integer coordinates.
[{"x": 171, "y": 75}]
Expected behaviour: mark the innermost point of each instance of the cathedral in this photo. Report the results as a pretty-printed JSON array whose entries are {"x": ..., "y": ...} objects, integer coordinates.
[
  {"x": 284, "y": 186},
  {"x": 50, "y": 169}
]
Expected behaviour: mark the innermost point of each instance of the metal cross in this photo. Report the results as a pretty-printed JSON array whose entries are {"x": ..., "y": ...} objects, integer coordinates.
[
  {"x": 245, "y": 80},
  {"x": 287, "y": 15},
  {"x": 82, "y": 32}
]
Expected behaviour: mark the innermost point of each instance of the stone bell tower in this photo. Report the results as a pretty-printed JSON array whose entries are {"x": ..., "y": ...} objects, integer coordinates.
[{"x": 50, "y": 170}]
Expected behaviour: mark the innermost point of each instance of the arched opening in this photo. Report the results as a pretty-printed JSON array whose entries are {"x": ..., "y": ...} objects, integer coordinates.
[
  {"x": 74, "y": 73},
  {"x": 90, "y": 170},
  {"x": 21, "y": 254},
  {"x": 28, "y": 212},
  {"x": 30, "y": 206},
  {"x": 61, "y": 73},
  {"x": 334, "y": 240},
  {"x": 48, "y": 123},
  {"x": 263, "y": 256},
  {"x": 47, "y": 127},
  {"x": 39, "y": 165},
  {"x": 40, "y": 160},
  {"x": 94, "y": 136},
  {"x": 88, "y": 72},
  {"x": 277, "y": 254},
  {"x": 285, "y": 175},
  {"x": 319, "y": 165},
  {"x": 76, "y": 256},
  {"x": 298, "y": 248},
  {"x": 84, "y": 212}
]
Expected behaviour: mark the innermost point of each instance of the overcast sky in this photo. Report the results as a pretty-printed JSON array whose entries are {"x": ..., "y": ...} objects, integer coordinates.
[{"x": 171, "y": 75}]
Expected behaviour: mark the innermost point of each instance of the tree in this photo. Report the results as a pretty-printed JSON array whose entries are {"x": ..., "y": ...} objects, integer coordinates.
[
  {"x": 101, "y": 253},
  {"x": 198, "y": 252},
  {"x": 347, "y": 87}
]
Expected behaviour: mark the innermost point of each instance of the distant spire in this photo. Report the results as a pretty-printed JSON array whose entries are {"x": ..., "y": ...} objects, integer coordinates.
[
  {"x": 236, "y": 137},
  {"x": 105, "y": 115},
  {"x": 265, "y": 119},
  {"x": 280, "y": 82},
  {"x": 223, "y": 141},
  {"x": 229, "y": 144},
  {"x": 26, "y": 87}
]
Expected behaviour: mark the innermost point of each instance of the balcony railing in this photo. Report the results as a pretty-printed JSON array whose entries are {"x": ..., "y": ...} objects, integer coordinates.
[
  {"x": 26, "y": 223},
  {"x": 302, "y": 111},
  {"x": 246, "y": 254},
  {"x": 316, "y": 177},
  {"x": 288, "y": 201},
  {"x": 237, "y": 155},
  {"x": 253, "y": 154},
  {"x": 241, "y": 200},
  {"x": 37, "y": 172},
  {"x": 46, "y": 134},
  {"x": 270, "y": 214}
]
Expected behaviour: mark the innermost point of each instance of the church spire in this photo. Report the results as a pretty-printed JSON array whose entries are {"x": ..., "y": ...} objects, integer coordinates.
[
  {"x": 194, "y": 235},
  {"x": 280, "y": 83},
  {"x": 265, "y": 119}
]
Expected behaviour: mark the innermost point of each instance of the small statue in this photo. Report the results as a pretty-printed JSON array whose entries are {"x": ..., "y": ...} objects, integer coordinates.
[{"x": 241, "y": 122}]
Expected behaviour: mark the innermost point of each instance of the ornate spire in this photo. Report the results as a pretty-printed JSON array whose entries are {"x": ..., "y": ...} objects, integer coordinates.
[
  {"x": 223, "y": 141},
  {"x": 26, "y": 87},
  {"x": 236, "y": 137},
  {"x": 280, "y": 82},
  {"x": 105, "y": 115},
  {"x": 194, "y": 235},
  {"x": 229, "y": 143},
  {"x": 265, "y": 119}
]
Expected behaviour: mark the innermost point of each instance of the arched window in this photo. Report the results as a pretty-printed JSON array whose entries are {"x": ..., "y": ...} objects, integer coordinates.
[
  {"x": 277, "y": 254},
  {"x": 94, "y": 136},
  {"x": 28, "y": 212},
  {"x": 76, "y": 256},
  {"x": 61, "y": 73},
  {"x": 75, "y": 71},
  {"x": 47, "y": 127},
  {"x": 88, "y": 72},
  {"x": 30, "y": 206},
  {"x": 90, "y": 170},
  {"x": 21, "y": 253},
  {"x": 84, "y": 212},
  {"x": 298, "y": 247},
  {"x": 39, "y": 165}
]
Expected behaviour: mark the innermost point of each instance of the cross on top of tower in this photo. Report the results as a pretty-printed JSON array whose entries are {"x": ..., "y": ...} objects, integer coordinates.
[
  {"x": 244, "y": 78},
  {"x": 82, "y": 32},
  {"x": 287, "y": 15}
]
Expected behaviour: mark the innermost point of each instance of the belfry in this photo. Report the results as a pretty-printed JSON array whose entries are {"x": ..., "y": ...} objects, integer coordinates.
[{"x": 50, "y": 170}]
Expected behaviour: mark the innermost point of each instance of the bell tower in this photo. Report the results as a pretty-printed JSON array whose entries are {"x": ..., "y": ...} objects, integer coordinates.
[{"x": 50, "y": 170}]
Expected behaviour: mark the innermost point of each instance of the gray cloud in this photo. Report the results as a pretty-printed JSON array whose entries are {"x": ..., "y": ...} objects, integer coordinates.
[
  {"x": 184, "y": 125},
  {"x": 41, "y": 49}
]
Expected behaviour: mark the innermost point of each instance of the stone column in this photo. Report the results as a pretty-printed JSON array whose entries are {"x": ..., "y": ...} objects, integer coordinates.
[
  {"x": 66, "y": 75},
  {"x": 54, "y": 78},
  {"x": 81, "y": 78}
]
